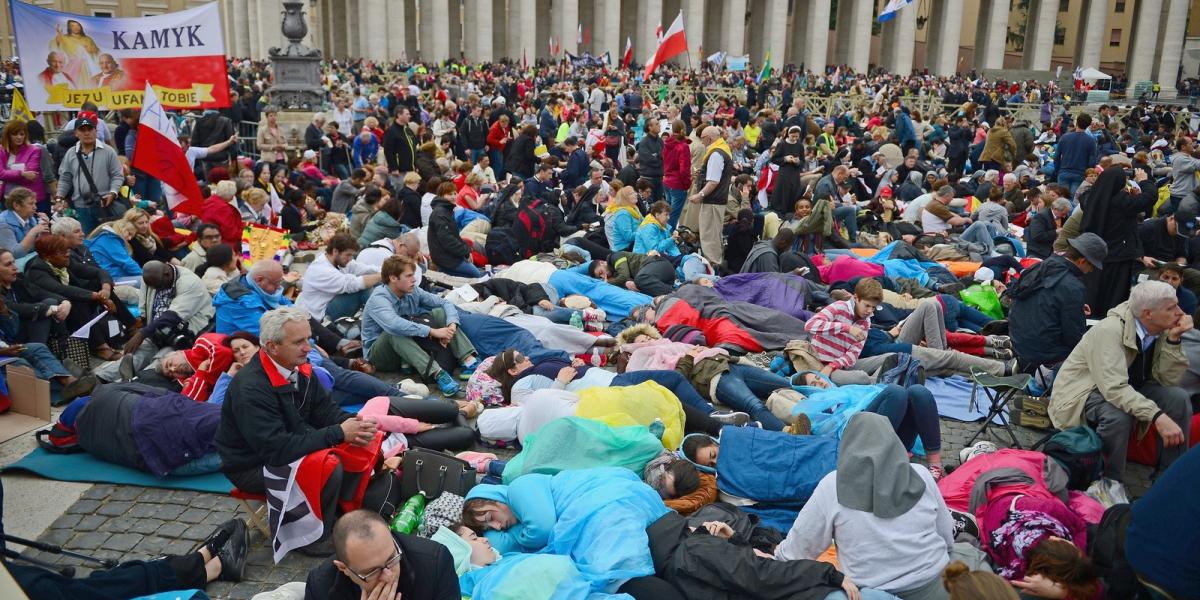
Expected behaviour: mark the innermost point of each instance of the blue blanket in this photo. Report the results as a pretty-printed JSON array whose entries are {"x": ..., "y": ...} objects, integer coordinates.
[
  {"x": 614, "y": 301},
  {"x": 953, "y": 395},
  {"x": 784, "y": 292},
  {"x": 772, "y": 467}
]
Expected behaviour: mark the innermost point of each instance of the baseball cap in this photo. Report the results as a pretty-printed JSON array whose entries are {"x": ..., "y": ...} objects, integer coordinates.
[
  {"x": 886, "y": 192},
  {"x": 1092, "y": 247},
  {"x": 86, "y": 118}
]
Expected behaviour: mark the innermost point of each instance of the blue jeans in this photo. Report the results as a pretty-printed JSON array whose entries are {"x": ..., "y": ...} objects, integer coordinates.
[
  {"x": 672, "y": 380},
  {"x": 476, "y": 155},
  {"x": 1070, "y": 179},
  {"x": 848, "y": 217},
  {"x": 497, "y": 164},
  {"x": 747, "y": 389},
  {"x": 87, "y": 218},
  {"x": 149, "y": 188},
  {"x": 345, "y": 305},
  {"x": 559, "y": 315},
  {"x": 980, "y": 233},
  {"x": 656, "y": 188},
  {"x": 912, "y": 412},
  {"x": 867, "y": 594},
  {"x": 353, "y": 387},
  {"x": 209, "y": 463},
  {"x": 39, "y": 358},
  {"x": 677, "y": 199},
  {"x": 463, "y": 269}
]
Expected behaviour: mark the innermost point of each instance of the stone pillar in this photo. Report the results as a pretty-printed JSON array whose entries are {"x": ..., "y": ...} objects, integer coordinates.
[
  {"x": 435, "y": 31},
  {"x": 991, "y": 29},
  {"x": 240, "y": 18},
  {"x": 1039, "y": 34},
  {"x": 608, "y": 30},
  {"x": 541, "y": 35},
  {"x": 337, "y": 33},
  {"x": 946, "y": 22},
  {"x": 454, "y": 25},
  {"x": 567, "y": 33},
  {"x": 268, "y": 17},
  {"x": 693, "y": 24},
  {"x": 522, "y": 23},
  {"x": 1139, "y": 66},
  {"x": 734, "y": 21},
  {"x": 410, "y": 28},
  {"x": 1171, "y": 34},
  {"x": 499, "y": 29},
  {"x": 899, "y": 40},
  {"x": 372, "y": 15},
  {"x": 854, "y": 34},
  {"x": 477, "y": 21},
  {"x": 397, "y": 31},
  {"x": 758, "y": 42},
  {"x": 353, "y": 36},
  {"x": 1093, "y": 31},
  {"x": 775, "y": 31},
  {"x": 649, "y": 18},
  {"x": 816, "y": 36}
]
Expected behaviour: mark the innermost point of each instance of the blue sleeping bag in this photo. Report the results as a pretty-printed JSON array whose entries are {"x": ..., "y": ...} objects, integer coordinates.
[
  {"x": 772, "y": 467},
  {"x": 614, "y": 301},
  {"x": 493, "y": 335}
]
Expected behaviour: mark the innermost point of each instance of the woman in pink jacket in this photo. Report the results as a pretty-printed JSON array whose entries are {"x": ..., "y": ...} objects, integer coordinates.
[
  {"x": 677, "y": 170},
  {"x": 21, "y": 162}
]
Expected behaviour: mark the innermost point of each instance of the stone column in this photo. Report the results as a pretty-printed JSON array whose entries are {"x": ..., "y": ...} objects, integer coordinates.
[
  {"x": 477, "y": 21},
  {"x": 499, "y": 29},
  {"x": 899, "y": 40},
  {"x": 240, "y": 18},
  {"x": 991, "y": 29},
  {"x": 567, "y": 33},
  {"x": 1172, "y": 32},
  {"x": 815, "y": 29},
  {"x": 372, "y": 14},
  {"x": 410, "y": 28},
  {"x": 397, "y": 32},
  {"x": 337, "y": 33},
  {"x": 944, "y": 37},
  {"x": 434, "y": 31},
  {"x": 353, "y": 35},
  {"x": 775, "y": 31},
  {"x": 1092, "y": 32},
  {"x": 734, "y": 37},
  {"x": 1139, "y": 66},
  {"x": 649, "y": 18},
  {"x": 608, "y": 31},
  {"x": 1039, "y": 34},
  {"x": 454, "y": 27},
  {"x": 269, "y": 17},
  {"x": 854, "y": 34},
  {"x": 693, "y": 24}
]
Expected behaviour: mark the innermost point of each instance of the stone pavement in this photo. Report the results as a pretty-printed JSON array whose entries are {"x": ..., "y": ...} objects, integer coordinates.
[{"x": 128, "y": 523}]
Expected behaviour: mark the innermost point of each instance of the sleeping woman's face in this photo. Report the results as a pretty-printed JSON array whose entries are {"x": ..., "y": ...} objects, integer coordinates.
[
  {"x": 707, "y": 455},
  {"x": 496, "y": 516}
]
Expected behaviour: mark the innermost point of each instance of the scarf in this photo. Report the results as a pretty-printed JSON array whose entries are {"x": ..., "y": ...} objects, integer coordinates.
[
  {"x": 270, "y": 300},
  {"x": 147, "y": 242},
  {"x": 873, "y": 473},
  {"x": 650, "y": 220},
  {"x": 720, "y": 144},
  {"x": 613, "y": 209},
  {"x": 164, "y": 297},
  {"x": 63, "y": 275}
]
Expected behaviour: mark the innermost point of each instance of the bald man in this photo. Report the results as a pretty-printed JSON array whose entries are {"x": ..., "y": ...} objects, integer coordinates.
[
  {"x": 241, "y": 302},
  {"x": 718, "y": 173}
]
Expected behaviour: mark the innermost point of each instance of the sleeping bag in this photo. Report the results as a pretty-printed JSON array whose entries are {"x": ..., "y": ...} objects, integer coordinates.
[
  {"x": 784, "y": 292},
  {"x": 579, "y": 443},
  {"x": 637, "y": 404}
]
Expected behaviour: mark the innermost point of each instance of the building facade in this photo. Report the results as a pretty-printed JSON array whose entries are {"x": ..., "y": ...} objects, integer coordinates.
[{"x": 1143, "y": 38}]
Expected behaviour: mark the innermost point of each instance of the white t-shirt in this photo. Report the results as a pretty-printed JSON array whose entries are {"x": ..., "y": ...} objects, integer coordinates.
[
  {"x": 912, "y": 210},
  {"x": 716, "y": 166}
]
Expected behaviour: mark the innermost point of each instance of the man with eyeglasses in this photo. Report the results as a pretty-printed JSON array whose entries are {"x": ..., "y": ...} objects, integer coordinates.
[
  {"x": 207, "y": 236},
  {"x": 373, "y": 563}
]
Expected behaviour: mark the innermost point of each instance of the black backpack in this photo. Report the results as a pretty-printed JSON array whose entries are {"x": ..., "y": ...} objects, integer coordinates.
[
  {"x": 1080, "y": 451},
  {"x": 500, "y": 248},
  {"x": 1106, "y": 547}
]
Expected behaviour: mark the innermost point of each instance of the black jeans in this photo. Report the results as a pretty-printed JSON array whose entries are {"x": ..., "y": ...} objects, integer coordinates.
[
  {"x": 129, "y": 580},
  {"x": 457, "y": 435}
]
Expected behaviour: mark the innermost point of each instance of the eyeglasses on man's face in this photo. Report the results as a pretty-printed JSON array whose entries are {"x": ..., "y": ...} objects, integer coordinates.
[{"x": 391, "y": 563}]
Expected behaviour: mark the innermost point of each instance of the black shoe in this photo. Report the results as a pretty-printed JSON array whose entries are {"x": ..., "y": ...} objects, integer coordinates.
[
  {"x": 321, "y": 549},
  {"x": 233, "y": 553},
  {"x": 80, "y": 387}
]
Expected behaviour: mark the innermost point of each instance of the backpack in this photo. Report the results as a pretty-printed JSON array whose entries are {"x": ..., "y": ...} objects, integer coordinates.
[
  {"x": 1079, "y": 451},
  {"x": 686, "y": 334},
  {"x": 529, "y": 229},
  {"x": 908, "y": 371},
  {"x": 500, "y": 248},
  {"x": 59, "y": 439},
  {"x": 1106, "y": 547}
]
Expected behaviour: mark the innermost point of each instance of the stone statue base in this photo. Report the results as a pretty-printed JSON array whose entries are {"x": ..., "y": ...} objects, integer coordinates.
[{"x": 297, "y": 82}]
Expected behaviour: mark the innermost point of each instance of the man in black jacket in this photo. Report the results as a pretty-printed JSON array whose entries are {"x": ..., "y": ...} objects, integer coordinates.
[
  {"x": 399, "y": 148},
  {"x": 1043, "y": 228},
  {"x": 372, "y": 562},
  {"x": 472, "y": 133},
  {"x": 276, "y": 412},
  {"x": 650, "y": 159}
]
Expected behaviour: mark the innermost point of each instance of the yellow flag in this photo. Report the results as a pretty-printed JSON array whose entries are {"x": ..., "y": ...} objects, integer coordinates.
[{"x": 20, "y": 110}]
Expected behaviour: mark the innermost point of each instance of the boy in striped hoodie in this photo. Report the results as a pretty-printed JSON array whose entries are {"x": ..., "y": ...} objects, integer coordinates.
[{"x": 839, "y": 332}]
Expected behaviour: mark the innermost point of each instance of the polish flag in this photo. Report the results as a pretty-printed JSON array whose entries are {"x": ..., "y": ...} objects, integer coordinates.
[
  {"x": 628, "y": 57},
  {"x": 159, "y": 155},
  {"x": 671, "y": 44},
  {"x": 658, "y": 33}
]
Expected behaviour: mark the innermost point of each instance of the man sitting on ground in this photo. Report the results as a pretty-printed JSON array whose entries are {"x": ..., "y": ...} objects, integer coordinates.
[
  {"x": 1124, "y": 372},
  {"x": 335, "y": 285},
  {"x": 207, "y": 236}
]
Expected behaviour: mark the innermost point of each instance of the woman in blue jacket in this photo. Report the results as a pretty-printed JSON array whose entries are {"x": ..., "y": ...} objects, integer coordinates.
[
  {"x": 652, "y": 234},
  {"x": 598, "y": 517},
  {"x": 621, "y": 220},
  {"x": 109, "y": 244}
]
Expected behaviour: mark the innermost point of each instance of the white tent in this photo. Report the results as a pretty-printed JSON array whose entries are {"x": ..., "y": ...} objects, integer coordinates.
[{"x": 1090, "y": 74}]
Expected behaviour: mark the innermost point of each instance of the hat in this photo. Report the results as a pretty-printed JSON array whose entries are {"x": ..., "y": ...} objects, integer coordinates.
[
  {"x": 886, "y": 192},
  {"x": 310, "y": 154},
  {"x": 985, "y": 275},
  {"x": 86, "y": 118},
  {"x": 1092, "y": 247},
  {"x": 1185, "y": 218}
]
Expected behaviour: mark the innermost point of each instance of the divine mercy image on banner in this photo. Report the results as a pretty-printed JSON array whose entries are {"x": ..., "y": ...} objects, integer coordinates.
[{"x": 109, "y": 60}]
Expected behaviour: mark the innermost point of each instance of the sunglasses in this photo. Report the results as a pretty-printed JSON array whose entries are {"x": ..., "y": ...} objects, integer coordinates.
[{"x": 391, "y": 563}]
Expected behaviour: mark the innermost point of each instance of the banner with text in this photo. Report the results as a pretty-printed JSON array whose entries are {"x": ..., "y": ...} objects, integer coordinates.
[{"x": 109, "y": 60}]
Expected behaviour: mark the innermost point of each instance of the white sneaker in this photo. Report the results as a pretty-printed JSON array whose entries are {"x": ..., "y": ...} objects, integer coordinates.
[
  {"x": 980, "y": 447},
  {"x": 409, "y": 386}
]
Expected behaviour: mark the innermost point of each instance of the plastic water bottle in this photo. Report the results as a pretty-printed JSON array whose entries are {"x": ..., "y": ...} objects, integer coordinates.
[
  {"x": 411, "y": 514},
  {"x": 576, "y": 320},
  {"x": 657, "y": 428}
]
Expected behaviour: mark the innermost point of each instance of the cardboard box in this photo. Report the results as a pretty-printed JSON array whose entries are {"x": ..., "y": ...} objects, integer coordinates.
[{"x": 30, "y": 403}]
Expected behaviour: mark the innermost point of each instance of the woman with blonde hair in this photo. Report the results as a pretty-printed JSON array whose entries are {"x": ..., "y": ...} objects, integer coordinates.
[
  {"x": 145, "y": 245},
  {"x": 110, "y": 247},
  {"x": 621, "y": 220},
  {"x": 468, "y": 196},
  {"x": 252, "y": 206}
]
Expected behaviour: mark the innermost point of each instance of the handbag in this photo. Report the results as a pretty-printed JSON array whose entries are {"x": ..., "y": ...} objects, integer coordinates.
[{"x": 433, "y": 473}]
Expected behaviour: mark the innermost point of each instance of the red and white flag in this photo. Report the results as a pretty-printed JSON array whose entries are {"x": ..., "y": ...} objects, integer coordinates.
[
  {"x": 672, "y": 43},
  {"x": 658, "y": 33},
  {"x": 159, "y": 155},
  {"x": 579, "y": 35},
  {"x": 587, "y": 36},
  {"x": 628, "y": 57}
]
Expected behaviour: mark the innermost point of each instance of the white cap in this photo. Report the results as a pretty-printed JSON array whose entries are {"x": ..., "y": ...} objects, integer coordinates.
[
  {"x": 310, "y": 154},
  {"x": 984, "y": 275}
]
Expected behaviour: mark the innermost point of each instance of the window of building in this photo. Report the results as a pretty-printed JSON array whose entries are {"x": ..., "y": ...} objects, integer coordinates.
[
  {"x": 1114, "y": 38},
  {"x": 1060, "y": 36},
  {"x": 107, "y": 14},
  {"x": 1064, "y": 5},
  {"x": 1119, "y": 6}
]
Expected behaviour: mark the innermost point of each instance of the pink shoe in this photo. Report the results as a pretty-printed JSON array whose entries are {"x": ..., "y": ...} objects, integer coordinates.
[{"x": 478, "y": 460}]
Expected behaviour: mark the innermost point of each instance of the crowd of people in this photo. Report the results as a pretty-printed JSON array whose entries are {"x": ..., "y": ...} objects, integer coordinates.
[{"x": 722, "y": 332}]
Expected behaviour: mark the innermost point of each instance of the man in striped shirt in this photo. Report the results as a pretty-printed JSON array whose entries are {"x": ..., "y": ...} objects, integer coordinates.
[{"x": 839, "y": 332}]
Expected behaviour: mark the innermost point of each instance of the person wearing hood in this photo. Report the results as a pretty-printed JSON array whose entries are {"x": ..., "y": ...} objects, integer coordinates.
[
  {"x": 960, "y": 135},
  {"x": 911, "y": 188},
  {"x": 447, "y": 249},
  {"x": 1110, "y": 209},
  {"x": 109, "y": 244},
  {"x": 765, "y": 255},
  {"x": 1022, "y": 136},
  {"x": 384, "y": 223},
  {"x": 1048, "y": 302},
  {"x": 886, "y": 516}
]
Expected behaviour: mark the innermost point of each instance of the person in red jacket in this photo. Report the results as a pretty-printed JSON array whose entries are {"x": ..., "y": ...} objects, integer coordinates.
[
  {"x": 497, "y": 143},
  {"x": 677, "y": 170},
  {"x": 198, "y": 368},
  {"x": 219, "y": 210}
]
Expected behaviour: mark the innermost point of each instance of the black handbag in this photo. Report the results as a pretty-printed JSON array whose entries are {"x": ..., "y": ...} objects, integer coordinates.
[{"x": 433, "y": 473}]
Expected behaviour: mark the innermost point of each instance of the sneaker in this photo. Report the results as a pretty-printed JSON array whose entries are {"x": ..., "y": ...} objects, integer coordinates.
[
  {"x": 447, "y": 385},
  {"x": 233, "y": 552},
  {"x": 594, "y": 314},
  {"x": 998, "y": 353},
  {"x": 1000, "y": 341},
  {"x": 755, "y": 424},
  {"x": 465, "y": 373},
  {"x": 729, "y": 417},
  {"x": 980, "y": 447},
  {"x": 1011, "y": 367},
  {"x": 80, "y": 387},
  {"x": 408, "y": 387}
]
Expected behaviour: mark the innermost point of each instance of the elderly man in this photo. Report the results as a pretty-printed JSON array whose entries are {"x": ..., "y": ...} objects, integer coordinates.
[
  {"x": 175, "y": 307},
  {"x": 1125, "y": 371},
  {"x": 844, "y": 213},
  {"x": 718, "y": 169},
  {"x": 1043, "y": 228},
  {"x": 104, "y": 178},
  {"x": 275, "y": 412},
  {"x": 370, "y": 561},
  {"x": 53, "y": 74},
  {"x": 335, "y": 285},
  {"x": 408, "y": 244}
]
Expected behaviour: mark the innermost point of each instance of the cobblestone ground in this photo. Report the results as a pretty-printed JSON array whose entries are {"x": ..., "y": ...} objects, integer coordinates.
[{"x": 128, "y": 523}]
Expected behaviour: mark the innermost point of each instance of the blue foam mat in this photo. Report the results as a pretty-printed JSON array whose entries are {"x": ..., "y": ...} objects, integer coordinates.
[{"x": 84, "y": 467}]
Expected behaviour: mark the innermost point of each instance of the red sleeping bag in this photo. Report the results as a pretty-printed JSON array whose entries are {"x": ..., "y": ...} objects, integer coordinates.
[{"x": 721, "y": 330}]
